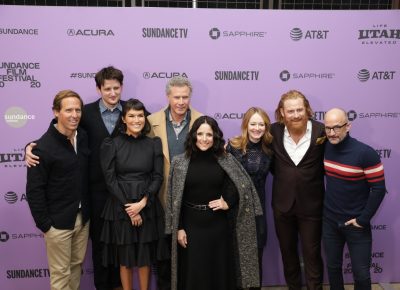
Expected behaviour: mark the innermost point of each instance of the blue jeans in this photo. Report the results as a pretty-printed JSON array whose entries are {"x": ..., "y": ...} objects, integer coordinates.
[{"x": 359, "y": 243}]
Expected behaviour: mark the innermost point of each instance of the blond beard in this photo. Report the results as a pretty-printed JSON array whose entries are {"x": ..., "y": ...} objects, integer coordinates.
[{"x": 299, "y": 129}]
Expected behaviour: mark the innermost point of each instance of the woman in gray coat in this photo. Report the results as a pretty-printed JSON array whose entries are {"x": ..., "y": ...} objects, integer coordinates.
[{"x": 210, "y": 212}]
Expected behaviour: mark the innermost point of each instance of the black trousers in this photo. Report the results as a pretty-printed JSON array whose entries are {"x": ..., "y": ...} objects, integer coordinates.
[
  {"x": 359, "y": 243},
  {"x": 105, "y": 278},
  {"x": 164, "y": 270},
  {"x": 289, "y": 226}
]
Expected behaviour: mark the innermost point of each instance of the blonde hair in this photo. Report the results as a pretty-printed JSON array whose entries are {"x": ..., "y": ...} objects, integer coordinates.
[
  {"x": 291, "y": 95},
  {"x": 240, "y": 142}
]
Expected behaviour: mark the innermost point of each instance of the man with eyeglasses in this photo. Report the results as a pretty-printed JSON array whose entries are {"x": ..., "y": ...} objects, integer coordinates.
[{"x": 355, "y": 187}]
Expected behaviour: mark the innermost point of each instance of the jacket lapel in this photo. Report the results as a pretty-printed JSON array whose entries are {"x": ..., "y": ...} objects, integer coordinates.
[
  {"x": 312, "y": 141},
  {"x": 279, "y": 140},
  {"x": 160, "y": 129}
]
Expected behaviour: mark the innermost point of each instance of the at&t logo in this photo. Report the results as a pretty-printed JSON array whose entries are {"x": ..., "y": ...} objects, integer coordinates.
[
  {"x": 364, "y": 75},
  {"x": 215, "y": 33},
  {"x": 296, "y": 34},
  {"x": 11, "y": 197}
]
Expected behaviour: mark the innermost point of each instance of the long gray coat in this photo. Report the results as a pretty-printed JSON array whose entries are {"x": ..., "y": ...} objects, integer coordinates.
[{"x": 247, "y": 271}]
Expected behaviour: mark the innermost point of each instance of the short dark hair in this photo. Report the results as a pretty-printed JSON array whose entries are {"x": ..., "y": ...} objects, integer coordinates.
[
  {"x": 218, "y": 140},
  {"x": 108, "y": 73},
  {"x": 135, "y": 104},
  {"x": 61, "y": 95}
]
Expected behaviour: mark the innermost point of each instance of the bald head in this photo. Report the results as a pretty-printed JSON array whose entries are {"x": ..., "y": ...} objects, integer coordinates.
[
  {"x": 336, "y": 114},
  {"x": 336, "y": 125}
]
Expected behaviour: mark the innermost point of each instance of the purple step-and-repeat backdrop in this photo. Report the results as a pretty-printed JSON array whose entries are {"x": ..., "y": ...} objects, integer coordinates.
[{"x": 235, "y": 59}]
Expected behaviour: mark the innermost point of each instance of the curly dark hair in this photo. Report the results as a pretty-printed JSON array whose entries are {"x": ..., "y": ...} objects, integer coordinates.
[
  {"x": 135, "y": 104},
  {"x": 218, "y": 140}
]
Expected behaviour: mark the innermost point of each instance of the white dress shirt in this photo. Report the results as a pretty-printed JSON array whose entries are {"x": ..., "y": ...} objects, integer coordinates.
[{"x": 297, "y": 151}]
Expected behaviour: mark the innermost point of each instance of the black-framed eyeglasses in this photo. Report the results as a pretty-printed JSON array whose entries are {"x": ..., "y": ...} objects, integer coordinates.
[{"x": 335, "y": 129}]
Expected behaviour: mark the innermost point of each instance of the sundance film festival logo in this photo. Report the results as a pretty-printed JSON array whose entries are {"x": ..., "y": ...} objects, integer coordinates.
[
  {"x": 379, "y": 34},
  {"x": 297, "y": 34},
  {"x": 4, "y": 237},
  {"x": 90, "y": 32},
  {"x": 164, "y": 32},
  {"x": 216, "y": 33},
  {"x": 163, "y": 75},
  {"x": 364, "y": 75},
  {"x": 19, "y": 72},
  {"x": 285, "y": 75},
  {"x": 17, "y": 117},
  {"x": 376, "y": 266}
]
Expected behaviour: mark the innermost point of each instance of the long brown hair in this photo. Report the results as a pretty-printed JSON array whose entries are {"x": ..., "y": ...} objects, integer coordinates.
[{"x": 241, "y": 141}]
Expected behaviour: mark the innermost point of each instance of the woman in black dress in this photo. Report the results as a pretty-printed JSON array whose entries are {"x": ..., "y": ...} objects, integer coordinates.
[
  {"x": 251, "y": 149},
  {"x": 133, "y": 167},
  {"x": 204, "y": 199}
]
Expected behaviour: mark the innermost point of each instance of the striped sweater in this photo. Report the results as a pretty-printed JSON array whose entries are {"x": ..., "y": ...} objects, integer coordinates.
[{"x": 355, "y": 182}]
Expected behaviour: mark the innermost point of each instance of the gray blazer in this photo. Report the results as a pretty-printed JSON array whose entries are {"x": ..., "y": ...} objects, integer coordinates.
[{"x": 245, "y": 245}]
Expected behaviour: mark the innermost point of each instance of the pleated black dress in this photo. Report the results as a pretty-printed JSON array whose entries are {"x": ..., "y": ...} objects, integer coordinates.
[
  {"x": 207, "y": 263},
  {"x": 133, "y": 168}
]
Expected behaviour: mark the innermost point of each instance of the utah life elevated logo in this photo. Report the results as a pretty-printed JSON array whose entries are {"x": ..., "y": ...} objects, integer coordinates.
[
  {"x": 364, "y": 75},
  {"x": 297, "y": 34},
  {"x": 379, "y": 34}
]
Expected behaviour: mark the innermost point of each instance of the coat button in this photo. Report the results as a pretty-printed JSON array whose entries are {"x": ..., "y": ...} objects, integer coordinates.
[
  {"x": 243, "y": 185},
  {"x": 175, "y": 202},
  {"x": 247, "y": 209},
  {"x": 246, "y": 196}
]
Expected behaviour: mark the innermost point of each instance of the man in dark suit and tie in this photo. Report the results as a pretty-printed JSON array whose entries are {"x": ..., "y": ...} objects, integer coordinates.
[
  {"x": 100, "y": 119},
  {"x": 298, "y": 188}
]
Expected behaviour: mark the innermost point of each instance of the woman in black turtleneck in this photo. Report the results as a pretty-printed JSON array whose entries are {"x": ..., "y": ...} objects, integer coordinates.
[
  {"x": 210, "y": 212},
  {"x": 251, "y": 149}
]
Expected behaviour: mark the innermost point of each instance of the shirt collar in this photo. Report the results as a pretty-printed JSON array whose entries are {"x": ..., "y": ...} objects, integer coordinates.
[
  {"x": 103, "y": 107},
  {"x": 183, "y": 120}
]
